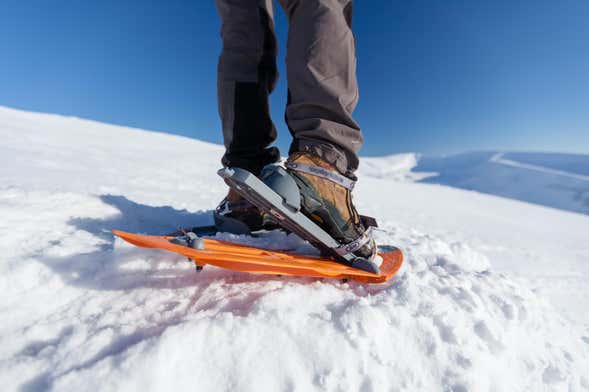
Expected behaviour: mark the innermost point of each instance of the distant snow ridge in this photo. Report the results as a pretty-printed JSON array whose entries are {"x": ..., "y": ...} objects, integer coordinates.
[
  {"x": 500, "y": 158},
  {"x": 554, "y": 180}
]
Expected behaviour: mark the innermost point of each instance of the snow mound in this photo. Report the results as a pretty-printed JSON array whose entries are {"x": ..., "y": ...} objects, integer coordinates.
[
  {"x": 398, "y": 167},
  {"x": 82, "y": 308}
]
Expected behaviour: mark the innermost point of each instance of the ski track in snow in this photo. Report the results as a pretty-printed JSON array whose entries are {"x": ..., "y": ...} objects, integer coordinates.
[
  {"x": 498, "y": 158},
  {"x": 83, "y": 310},
  {"x": 548, "y": 179}
]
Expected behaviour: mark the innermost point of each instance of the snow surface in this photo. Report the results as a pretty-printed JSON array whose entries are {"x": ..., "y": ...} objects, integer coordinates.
[
  {"x": 492, "y": 297},
  {"x": 553, "y": 180}
]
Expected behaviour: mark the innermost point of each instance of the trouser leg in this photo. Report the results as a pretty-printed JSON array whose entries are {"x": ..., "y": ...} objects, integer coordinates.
[
  {"x": 246, "y": 76},
  {"x": 323, "y": 91}
]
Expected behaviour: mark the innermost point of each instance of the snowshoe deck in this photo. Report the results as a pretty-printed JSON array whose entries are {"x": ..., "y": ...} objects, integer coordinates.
[{"x": 262, "y": 261}]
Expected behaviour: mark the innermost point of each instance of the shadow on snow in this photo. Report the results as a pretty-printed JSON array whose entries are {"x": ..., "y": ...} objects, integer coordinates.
[{"x": 116, "y": 268}]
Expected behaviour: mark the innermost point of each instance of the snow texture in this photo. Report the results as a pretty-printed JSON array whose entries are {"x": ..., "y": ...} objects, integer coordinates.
[{"x": 492, "y": 296}]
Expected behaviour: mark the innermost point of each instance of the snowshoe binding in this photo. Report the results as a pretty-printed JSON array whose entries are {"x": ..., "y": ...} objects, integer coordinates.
[
  {"x": 235, "y": 215},
  {"x": 314, "y": 201}
]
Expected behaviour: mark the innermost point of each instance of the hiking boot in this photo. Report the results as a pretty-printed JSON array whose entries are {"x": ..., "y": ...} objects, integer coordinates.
[
  {"x": 326, "y": 199},
  {"x": 237, "y": 215}
]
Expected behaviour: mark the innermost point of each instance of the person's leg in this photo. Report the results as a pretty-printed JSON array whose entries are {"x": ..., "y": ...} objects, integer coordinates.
[
  {"x": 246, "y": 76},
  {"x": 323, "y": 91}
]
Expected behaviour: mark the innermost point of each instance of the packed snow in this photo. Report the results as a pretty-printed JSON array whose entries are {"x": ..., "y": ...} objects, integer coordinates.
[{"x": 492, "y": 296}]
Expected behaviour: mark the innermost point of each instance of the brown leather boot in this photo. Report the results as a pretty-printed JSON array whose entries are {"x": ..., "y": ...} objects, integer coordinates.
[
  {"x": 237, "y": 215},
  {"x": 327, "y": 200}
]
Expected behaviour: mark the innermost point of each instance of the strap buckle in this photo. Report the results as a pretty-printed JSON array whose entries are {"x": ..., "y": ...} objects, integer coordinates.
[{"x": 353, "y": 246}]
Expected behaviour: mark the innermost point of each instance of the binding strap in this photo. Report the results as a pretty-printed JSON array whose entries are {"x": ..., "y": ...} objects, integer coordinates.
[
  {"x": 353, "y": 246},
  {"x": 322, "y": 172}
]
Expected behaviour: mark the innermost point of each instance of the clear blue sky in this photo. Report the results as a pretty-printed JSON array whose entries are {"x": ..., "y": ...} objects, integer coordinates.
[{"x": 435, "y": 76}]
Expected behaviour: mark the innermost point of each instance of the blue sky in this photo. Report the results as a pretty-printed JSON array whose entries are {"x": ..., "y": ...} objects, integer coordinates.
[{"x": 435, "y": 76}]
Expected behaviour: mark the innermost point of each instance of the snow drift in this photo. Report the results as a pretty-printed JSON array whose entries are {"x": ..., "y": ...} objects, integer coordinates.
[{"x": 473, "y": 308}]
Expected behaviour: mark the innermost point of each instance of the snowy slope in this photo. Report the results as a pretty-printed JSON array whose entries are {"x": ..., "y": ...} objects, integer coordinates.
[
  {"x": 553, "y": 180},
  {"x": 492, "y": 295}
]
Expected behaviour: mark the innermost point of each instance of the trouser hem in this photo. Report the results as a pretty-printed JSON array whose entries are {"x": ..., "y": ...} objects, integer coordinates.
[{"x": 252, "y": 161}]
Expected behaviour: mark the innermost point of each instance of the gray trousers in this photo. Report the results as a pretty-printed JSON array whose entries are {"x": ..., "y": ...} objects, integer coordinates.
[{"x": 321, "y": 73}]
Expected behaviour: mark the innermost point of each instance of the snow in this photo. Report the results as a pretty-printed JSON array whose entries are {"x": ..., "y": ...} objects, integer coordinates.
[
  {"x": 500, "y": 158},
  {"x": 397, "y": 167},
  {"x": 554, "y": 180},
  {"x": 492, "y": 296}
]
